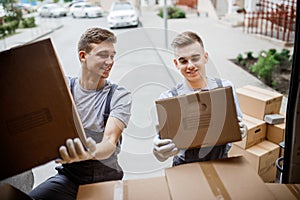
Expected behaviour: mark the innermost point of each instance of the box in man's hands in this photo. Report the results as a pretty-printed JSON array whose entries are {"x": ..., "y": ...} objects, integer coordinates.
[
  {"x": 37, "y": 110},
  {"x": 204, "y": 118}
]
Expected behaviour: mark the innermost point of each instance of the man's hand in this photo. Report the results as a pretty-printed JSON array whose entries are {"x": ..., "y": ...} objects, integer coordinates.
[
  {"x": 164, "y": 148},
  {"x": 75, "y": 152},
  {"x": 243, "y": 127}
]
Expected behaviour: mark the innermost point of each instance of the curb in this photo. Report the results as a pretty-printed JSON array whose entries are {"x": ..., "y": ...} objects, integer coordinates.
[{"x": 44, "y": 34}]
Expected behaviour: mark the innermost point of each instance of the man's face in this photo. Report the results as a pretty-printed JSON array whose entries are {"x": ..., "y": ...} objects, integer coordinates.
[
  {"x": 191, "y": 60},
  {"x": 99, "y": 60}
]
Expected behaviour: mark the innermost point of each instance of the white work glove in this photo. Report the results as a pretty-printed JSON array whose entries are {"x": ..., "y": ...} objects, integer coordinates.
[
  {"x": 75, "y": 152},
  {"x": 243, "y": 127},
  {"x": 164, "y": 148}
]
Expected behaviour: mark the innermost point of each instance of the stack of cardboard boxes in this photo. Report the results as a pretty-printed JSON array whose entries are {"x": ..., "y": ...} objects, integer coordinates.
[{"x": 261, "y": 145}]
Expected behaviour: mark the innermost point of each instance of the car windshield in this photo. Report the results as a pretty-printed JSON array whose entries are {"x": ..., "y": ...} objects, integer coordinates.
[{"x": 122, "y": 6}]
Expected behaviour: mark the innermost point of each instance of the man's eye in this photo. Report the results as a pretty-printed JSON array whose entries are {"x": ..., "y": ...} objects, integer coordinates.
[
  {"x": 183, "y": 61},
  {"x": 195, "y": 58},
  {"x": 104, "y": 56}
]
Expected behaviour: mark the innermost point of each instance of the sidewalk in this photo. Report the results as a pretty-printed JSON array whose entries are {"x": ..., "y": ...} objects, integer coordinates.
[{"x": 23, "y": 36}]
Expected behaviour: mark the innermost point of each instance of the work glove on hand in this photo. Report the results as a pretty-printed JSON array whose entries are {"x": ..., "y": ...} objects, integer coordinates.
[
  {"x": 164, "y": 148},
  {"x": 243, "y": 127},
  {"x": 75, "y": 152}
]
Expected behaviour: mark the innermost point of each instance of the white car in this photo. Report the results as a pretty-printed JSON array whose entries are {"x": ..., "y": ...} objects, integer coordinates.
[
  {"x": 122, "y": 14},
  {"x": 52, "y": 10},
  {"x": 85, "y": 9}
]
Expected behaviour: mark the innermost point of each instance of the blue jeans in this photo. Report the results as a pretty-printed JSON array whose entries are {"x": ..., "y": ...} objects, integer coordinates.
[{"x": 64, "y": 185}]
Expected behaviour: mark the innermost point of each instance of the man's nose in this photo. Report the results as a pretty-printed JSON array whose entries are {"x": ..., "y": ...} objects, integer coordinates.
[
  {"x": 109, "y": 60},
  {"x": 190, "y": 64}
]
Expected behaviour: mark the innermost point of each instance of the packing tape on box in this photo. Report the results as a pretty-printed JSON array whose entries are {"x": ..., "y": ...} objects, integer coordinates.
[
  {"x": 294, "y": 190},
  {"x": 120, "y": 191},
  {"x": 214, "y": 181}
]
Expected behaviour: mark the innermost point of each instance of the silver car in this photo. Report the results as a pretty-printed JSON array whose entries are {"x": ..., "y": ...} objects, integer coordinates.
[
  {"x": 122, "y": 14},
  {"x": 52, "y": 10},
  {"x": 85, "y": 9}
]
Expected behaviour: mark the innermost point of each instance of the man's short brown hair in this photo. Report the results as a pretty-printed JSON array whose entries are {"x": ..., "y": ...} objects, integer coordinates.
[
  {"x": 95, "y": 35},
  {"x": 185, "y": 39}
]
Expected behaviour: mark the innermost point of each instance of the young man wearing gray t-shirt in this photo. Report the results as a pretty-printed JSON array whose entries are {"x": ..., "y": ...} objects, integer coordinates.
[{"x": 97, "y": 161}]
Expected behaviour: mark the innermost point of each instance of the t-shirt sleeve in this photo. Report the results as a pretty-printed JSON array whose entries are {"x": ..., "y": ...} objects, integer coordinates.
[
  {"x": 121, "y": 105},
  {"x": 165, "y": 94}
]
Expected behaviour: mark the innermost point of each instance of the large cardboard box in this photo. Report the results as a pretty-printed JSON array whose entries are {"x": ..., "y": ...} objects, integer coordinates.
[
  {"x": 256, "y": 132},
  {"x": 37, "y": 111},
  {"x": 285, "y": 191},
  {"x": 205, "y": 118},
  {"x": 231, "y": 178},
  {"x": 257, "y": 102},
  {"x": 262, "y": 157},
  {"x": 276, "y": 132}
]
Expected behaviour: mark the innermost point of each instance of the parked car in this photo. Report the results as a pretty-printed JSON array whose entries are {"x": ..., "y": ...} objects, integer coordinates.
[
  {"x": 122, "y": 14},
  {"x": 85, "y": 9},
  {"x": 52, "y": 10}
]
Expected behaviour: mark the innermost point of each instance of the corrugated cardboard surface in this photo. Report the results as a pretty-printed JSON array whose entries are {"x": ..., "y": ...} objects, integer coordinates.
[
  {"x": 256, "y": 132},
  {"x": 258, "y": 102},
  {"x": 203, "y": 118},
  {"x": 276, "y": 133},
  {"x": 231, "y": 178},
  {"x": 285, "y": 191},
  {"x": 8, "y": 192},
  {"x": 151, "y": 188},
  {"x": 261, "y": 156},
  {"x": 37, "y": 112}
]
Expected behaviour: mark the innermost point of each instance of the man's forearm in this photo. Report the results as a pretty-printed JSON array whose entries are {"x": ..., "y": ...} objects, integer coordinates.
[{"x": 104, "y": 150}]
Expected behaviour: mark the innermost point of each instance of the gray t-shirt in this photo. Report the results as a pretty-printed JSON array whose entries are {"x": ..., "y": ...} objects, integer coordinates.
[{"x": 91, "y": 104}]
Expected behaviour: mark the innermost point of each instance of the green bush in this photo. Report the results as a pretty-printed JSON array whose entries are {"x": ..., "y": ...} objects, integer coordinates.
[
  {"x": 249, "y": 55},
  {"x": 239, "y": 58},
  {"x": 8, "y": 28},
  {"x": 173, "y": 12},
  {"x": 28, "y": 22},
  {"x": 265, "y": 66}
]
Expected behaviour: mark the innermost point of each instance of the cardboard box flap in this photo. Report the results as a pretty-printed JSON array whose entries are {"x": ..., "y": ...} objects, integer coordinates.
[
  {"x": 231, "y": 178},
  {"x": 136, "y": 189},
  {"x": 37, "y": 110},
  {"x": 203, "y": 118},
  {"x": 151, "y": 188}
]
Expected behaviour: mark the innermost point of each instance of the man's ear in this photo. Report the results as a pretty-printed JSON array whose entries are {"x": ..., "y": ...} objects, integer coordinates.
[
  {"x": 206, "y": 57},
  {"x": 175, "y": 63},
  {"x": 81, "y": 55}
]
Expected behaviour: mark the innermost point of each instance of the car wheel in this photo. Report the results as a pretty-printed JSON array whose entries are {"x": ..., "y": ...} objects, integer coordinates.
[
  {"x": 73, "y": 15},
  {"x": 86, "y": 15}
]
